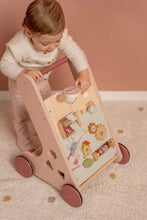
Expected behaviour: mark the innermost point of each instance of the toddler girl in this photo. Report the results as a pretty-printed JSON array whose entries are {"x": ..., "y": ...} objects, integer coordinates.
[{"x": 34, "y": 48}]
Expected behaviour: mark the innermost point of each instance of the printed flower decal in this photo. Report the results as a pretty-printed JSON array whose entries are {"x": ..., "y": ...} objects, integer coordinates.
[
  {"x": 101, "y": 132},
  {"x": 92, "y": 128}
]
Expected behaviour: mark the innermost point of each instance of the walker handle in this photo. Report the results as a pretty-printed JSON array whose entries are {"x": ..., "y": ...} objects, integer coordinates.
[{"x": 54, "y": 65}]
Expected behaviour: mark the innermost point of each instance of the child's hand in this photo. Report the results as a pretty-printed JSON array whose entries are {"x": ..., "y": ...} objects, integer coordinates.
[
  {"x": 83, "y": 81},
  {"x": 35, "y": 74}
]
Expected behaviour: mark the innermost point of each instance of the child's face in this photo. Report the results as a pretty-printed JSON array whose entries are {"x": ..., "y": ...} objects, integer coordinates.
[{"x": 45, "y": 42}]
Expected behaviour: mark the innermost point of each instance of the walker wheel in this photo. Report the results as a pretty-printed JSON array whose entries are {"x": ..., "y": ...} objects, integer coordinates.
[
  {"x": 125, "y": 154},
  {"x": 23, "y": 166},
  {"x": 71, "y": 195}
]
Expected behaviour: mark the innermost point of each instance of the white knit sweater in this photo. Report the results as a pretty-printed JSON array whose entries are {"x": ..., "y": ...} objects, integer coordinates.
[{"x": 20, "y": 54}]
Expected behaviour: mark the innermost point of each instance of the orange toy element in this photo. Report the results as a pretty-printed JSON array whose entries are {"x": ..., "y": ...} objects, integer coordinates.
[
  {"x": 85, "y": 148},
  {"x": 92, "y": 128}
]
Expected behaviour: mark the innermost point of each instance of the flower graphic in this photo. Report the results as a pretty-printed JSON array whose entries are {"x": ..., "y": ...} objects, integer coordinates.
[
  {"x": 92, "y": 128},
  {"x": 101, "y": 132}
]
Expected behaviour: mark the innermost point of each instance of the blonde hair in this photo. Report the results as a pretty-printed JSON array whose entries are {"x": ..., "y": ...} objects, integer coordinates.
[{"x": 44, "y": 17}]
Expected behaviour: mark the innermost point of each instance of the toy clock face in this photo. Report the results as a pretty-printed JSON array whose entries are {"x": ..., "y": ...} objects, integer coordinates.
[{"x": 83, "y": 131}]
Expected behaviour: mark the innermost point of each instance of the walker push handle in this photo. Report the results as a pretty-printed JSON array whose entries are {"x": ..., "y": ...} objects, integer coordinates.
[{"x": 54, "y": 65}]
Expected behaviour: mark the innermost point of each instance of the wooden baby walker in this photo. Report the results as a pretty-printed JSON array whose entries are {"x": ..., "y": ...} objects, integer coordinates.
[{"x": 76, "y": 137}]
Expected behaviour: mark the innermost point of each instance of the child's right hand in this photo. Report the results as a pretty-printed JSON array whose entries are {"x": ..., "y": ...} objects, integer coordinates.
[{"x": 35, "y": 74}]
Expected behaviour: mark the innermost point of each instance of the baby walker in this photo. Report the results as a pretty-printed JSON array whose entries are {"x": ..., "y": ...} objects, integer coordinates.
[{"x": 76, "y": 137}]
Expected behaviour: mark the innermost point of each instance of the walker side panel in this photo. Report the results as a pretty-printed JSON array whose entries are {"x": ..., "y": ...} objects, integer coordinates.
[{"x": 51, "y": 164}]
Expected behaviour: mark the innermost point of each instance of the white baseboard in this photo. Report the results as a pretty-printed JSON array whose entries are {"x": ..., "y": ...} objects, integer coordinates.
[
  {"x": 105, "y": 95},
  {"x": 123, "y": 95}
]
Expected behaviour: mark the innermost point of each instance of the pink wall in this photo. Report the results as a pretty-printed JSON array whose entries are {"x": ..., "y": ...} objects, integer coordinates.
[{"x": 113, "y": 35}]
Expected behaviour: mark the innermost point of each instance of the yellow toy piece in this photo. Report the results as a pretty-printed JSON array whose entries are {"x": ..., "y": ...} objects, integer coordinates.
[
  {"x": 85, "y": 148},
  {"x": 101, "y": 132}
]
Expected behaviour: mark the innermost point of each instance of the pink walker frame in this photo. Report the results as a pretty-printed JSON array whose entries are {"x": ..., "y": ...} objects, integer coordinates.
[{"x": 28, "y": 163}]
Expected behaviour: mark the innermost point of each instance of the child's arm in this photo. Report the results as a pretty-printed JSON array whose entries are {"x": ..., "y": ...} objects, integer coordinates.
[
  {"x": 83, "y": 80},
  {"x": 12, "y": 69},
  {"x": 74, "y": 53},
  {"x": 8, "y": 65}
]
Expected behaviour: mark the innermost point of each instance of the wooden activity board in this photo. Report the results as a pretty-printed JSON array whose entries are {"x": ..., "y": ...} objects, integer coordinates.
[{"x": 83, "y": 132}]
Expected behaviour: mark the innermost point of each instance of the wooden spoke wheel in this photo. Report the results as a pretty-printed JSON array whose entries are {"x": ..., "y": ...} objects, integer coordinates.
[
  {"x": 23, "y": 166},
  {"x": 71, "y": 195},
  {"x": 125, "y": 154}
]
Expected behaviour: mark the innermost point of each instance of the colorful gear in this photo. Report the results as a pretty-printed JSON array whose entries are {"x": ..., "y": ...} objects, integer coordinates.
[
  {"x": 101, "y": 132},
  {"x": 92, "y": 128}
]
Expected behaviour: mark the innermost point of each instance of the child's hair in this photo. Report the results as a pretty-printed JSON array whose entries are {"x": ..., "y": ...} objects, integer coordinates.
[{"x": 44, "y": 17}]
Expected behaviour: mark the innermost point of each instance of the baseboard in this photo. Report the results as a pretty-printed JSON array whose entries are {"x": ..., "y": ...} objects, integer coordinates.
[
  {"x": 123, "y": 95},
  {"x": 105, "y": 95}
]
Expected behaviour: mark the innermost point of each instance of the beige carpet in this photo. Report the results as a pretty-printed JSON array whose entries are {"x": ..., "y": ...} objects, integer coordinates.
[{"x": 123, "y": 197}]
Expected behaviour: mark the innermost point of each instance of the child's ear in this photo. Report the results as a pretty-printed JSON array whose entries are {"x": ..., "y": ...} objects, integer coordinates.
[{"x": 28, "y": 32}]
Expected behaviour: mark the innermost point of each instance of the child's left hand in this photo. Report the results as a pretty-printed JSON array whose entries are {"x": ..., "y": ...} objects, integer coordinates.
[{"x": 83, "y": 81}]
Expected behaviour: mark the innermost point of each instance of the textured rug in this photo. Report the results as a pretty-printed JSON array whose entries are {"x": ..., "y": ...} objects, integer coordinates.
[{"x": 118, "y": 193}]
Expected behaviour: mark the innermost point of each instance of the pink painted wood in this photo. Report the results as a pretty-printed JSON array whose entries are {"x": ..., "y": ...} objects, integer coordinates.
[{"x": 48, "y": 137}]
